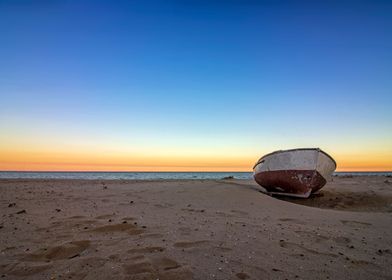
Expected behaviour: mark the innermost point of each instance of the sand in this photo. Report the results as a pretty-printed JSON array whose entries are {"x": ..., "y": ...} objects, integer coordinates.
[{"x": 214, "y": 229}]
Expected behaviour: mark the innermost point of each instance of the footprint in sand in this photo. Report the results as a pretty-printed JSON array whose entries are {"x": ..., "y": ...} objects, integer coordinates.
[
  {"x": 166, "y": 263},
  {"x": 65, "y": 251},
  {"x": 123, "y": 227},
  {"x": 68, "y": 223},
  {"x": 152, "y": 249},
  {"x": 342, "y": 240},
  {"x": 223, "y": 249},
  {"x": 296, "y": 221},
  {"x": 294, "y": 246},
  {"x": 240, "y": 212},
  {"x": 138, "y": 268},
  {"x": 360, "y": 263},
  {"x": 128, "y": 219},
  {"x": 242, "y": 275},
  {"x": 156, "y": 268},
  {"x": 77, "y": 217}
]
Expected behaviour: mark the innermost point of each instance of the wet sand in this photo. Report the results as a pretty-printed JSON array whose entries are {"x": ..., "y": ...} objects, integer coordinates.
[{"x": 213, "y": 229}]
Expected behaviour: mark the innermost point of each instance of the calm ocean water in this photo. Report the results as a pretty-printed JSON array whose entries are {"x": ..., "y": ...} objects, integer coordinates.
[
  {"x": 124, "y": 175},
  {"x": 149, "y": 175}
]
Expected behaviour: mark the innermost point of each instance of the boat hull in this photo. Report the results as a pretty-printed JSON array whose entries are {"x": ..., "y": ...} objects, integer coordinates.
[{"x": 298, "y": 172}]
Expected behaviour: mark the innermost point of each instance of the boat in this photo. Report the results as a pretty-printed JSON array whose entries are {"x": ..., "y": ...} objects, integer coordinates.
[{"x": 295, "y": 172}]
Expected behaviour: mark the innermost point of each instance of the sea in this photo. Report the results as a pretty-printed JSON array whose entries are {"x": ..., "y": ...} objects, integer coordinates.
[{"x": 151, "y": 175}]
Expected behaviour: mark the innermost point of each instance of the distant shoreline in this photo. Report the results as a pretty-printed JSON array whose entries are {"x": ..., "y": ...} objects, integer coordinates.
[
  {"x": 148, "y": 175},
  {"x": 32, "y": 171}
]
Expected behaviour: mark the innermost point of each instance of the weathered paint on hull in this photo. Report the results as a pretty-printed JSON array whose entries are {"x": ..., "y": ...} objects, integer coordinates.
[
  {"x": 300, "y": 183},
  {"x": 295, "y": 172}
]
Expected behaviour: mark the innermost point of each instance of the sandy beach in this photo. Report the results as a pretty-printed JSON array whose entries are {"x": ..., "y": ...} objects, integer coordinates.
[{"x": 194, "y": 229}]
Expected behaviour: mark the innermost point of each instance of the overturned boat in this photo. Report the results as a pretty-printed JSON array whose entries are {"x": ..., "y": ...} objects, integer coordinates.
[{"x": 296, "y": 172}]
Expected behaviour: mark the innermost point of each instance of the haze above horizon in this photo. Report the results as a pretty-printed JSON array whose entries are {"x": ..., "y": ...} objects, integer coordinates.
[{"x": 193, "y": 85}]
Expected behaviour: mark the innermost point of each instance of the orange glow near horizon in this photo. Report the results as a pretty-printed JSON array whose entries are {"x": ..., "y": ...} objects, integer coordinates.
[
  {"x": 31, "y": 154},
  {"x": 94, "y": 161},
  {"x": 74, "y": 166},
  {"x": 40, "y": 161}
]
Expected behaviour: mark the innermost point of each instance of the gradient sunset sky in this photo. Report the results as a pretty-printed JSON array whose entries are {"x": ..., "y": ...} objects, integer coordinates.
[{"x": 193, "y": 85}]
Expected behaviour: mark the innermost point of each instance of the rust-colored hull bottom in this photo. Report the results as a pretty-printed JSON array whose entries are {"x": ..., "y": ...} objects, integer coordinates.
[{"x": 291, "y": 182}]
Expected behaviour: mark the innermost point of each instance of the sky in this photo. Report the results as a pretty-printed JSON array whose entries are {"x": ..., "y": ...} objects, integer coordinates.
[{"x": 193, "y": 85}]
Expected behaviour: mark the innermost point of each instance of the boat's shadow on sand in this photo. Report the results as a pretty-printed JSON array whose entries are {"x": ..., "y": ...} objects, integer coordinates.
[
  {"x": 345, "y": 194},
  {"x": 345, "y": 200}
]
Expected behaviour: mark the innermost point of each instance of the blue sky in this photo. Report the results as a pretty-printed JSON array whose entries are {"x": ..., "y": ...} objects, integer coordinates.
[{"x": 248, "y": 76}]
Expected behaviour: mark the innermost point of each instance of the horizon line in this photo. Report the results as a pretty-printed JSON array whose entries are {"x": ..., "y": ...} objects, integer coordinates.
[{"x": 111, "y": 171}]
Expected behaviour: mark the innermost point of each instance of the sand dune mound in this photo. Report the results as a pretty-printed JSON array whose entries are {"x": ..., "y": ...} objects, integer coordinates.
[
  {"x": 348, "y": 193},
  {"x": 65, "y": 251},
  {"x": 123, "y": 227}
]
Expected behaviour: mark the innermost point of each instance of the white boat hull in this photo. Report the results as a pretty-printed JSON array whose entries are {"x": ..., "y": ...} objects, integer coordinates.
[{"x": 297, "y": 172}]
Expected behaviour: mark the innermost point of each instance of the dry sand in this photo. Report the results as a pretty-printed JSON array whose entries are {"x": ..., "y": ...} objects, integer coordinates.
[{"x": 228, "y": 229}]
